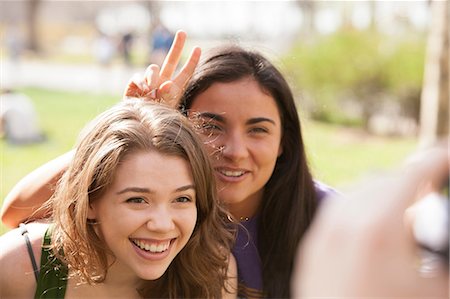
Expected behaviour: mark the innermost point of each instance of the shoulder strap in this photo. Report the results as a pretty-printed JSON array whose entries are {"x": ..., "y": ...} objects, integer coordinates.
[
  {"x": 24, "y": 232},
  {"x": 53, "y": 276}
]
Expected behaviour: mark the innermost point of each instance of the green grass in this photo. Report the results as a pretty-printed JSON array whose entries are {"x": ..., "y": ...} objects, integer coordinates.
[
  {"x": 61, "y": 116},
  {"x": 337, "y": 155},
  {"x": 341, "y": 156}
]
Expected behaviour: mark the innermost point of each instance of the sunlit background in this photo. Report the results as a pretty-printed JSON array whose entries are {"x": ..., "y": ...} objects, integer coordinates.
[{"x": 357, "y": 69}]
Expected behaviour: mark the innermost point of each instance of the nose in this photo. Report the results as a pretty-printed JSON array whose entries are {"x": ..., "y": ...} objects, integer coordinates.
[
  {"x": 235, "y": 146},
  {"x": 160, "y": 220}
]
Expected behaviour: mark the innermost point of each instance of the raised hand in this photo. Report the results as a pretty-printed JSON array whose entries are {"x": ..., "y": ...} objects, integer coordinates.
[{"x": 160, "y": 83}]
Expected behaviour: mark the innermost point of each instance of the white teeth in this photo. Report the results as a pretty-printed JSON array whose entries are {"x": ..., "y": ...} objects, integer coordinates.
[
  {"x": 232, "y": 173},
  {"x": 152, "y": 247}
]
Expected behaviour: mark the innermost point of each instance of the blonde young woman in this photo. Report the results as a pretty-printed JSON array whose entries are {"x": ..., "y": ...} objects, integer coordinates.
[{"x": 134, "y": 216}]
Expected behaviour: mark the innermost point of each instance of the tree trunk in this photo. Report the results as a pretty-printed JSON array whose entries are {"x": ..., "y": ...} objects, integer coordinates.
[
  {"x": 154, "y": 8},
  {"x": 434, "y": 114},
  {"x": 346, "y": 15},
  {"x": 32, "y": 25},
  {"x": 373, "y": 15}
]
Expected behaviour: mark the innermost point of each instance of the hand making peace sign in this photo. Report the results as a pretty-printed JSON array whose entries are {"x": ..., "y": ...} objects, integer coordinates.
[{"x": 160, "y": 83}]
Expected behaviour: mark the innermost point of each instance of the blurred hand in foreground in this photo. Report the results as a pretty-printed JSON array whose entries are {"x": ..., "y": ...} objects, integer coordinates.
[{"x": 362, "y": 246}]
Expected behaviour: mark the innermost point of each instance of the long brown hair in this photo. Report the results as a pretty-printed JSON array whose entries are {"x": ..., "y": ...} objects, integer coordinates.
[
  {"x": 289, "y": 200},
  {"x": 200, "y": 269}
]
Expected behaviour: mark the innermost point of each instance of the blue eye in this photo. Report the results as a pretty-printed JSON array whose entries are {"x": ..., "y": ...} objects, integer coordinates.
[{"x": 136, "y": 200}]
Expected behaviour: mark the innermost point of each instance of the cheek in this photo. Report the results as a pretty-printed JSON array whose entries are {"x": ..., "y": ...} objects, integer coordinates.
[
  {"x": 213, "y": 146},
  {"x": 212, "y": 141},
  {"x": 267, "y": 151},
  {"x": 116, "y": 222},
  {"x": 186, "y": 221}
]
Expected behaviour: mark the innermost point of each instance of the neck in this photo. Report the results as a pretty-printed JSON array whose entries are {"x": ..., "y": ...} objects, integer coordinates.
[
  {"x": 246, "y": 208},
  {"x": 118, "y": 276},
  {"x": 115, "y": 285}
]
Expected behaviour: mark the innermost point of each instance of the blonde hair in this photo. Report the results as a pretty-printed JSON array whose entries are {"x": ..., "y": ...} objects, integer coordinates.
[{"x": 199, "y": 270}]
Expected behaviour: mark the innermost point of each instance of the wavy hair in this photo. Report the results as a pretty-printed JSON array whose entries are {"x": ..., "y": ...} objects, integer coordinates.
[
  {"x": 200, "y": 269},
  {"x": 289, "y": 200}
]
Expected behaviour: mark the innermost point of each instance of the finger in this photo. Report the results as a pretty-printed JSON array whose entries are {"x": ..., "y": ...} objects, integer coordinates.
[
  {"x": 173, "y": 56},
  {"x": 188, "y": 69},
  {"x": 135, "y": 86},
  {"x": 152, "y": 76},
  {"x": 130, "y": 90},
  {"x": 169, "y": 93}
]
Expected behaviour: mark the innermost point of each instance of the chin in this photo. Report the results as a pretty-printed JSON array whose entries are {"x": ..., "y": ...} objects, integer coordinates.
[
  {"x": 152, "y": 276},
  {"x": 153, "y": 273},
  {"x": 231, "y": 198}
]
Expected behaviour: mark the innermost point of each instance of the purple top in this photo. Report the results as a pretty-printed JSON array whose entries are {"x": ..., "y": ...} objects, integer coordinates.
[{"x": 245, "y": 249}]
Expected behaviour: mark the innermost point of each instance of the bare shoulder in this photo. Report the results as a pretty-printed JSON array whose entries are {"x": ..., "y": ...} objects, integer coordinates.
[
  {"x": 16, "y": 271},
  {"x": 231, "y": 285}
]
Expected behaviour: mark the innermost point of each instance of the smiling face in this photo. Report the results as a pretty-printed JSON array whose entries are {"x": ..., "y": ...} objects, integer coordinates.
[
  {"x": 148, "y": 213},
  {"x": 241, "y": 126}
]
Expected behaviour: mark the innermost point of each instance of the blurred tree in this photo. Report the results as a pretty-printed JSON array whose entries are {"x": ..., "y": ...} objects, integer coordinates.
[
  {"x": 350, "y": 75},
  {"x": 346, "y": 9},
  {"x": 32, "y": 25},
  {"x": 434, "y": 116},
  {"x": 372, "y": 12}
]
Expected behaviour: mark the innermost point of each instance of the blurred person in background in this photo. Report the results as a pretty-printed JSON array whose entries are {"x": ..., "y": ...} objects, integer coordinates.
[
  {"x": 104, "y": 49},
  {"x": 14, "y": 43},
  {"x": 18, "y": 118},
  {"x": 125, "y": 47},
  {"x": 161, "y": 41}
]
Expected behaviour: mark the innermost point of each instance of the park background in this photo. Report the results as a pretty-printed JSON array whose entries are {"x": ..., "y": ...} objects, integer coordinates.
[{"x": 359, "y": 70}]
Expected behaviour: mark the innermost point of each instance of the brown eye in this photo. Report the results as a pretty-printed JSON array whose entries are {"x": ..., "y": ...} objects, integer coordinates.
[
  {"x": 211, "y": 127},
  {"x": 259, "y": 130},
  {"x": 183, "y": 199},
  {"x": 136, "y": 200}
]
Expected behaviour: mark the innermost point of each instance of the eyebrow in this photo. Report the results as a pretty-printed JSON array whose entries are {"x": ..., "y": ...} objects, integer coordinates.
[
  {"x": 212, "y": 116},
  {"x": 146, "y": 190},
  {"x": 256, "y": 120},
  {"x": 220, "y": 118},
  {"x": 184, "y": 188}
]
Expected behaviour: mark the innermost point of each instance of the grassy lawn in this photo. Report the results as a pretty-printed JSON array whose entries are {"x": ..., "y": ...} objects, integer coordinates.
[
  {"x": 338, "y": 156},
  {"x": 61, "y": 116},
  {"x": 342, "y": 156}
]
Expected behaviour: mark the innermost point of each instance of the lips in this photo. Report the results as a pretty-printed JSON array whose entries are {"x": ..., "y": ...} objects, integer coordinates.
[
  {"x": 230, "y": 174},
  {"x": 152, "y": 246}
]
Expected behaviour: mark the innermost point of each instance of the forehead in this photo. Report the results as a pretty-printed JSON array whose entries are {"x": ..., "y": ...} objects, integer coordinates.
[
  {"x": 154, "y": 170},
  {"x": 242, "y": 98}
]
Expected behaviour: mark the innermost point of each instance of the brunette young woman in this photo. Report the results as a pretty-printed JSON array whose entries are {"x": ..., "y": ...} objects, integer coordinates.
[
  {"x": 135, "y": 215},
  {"x": 245, "y": 112}
]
